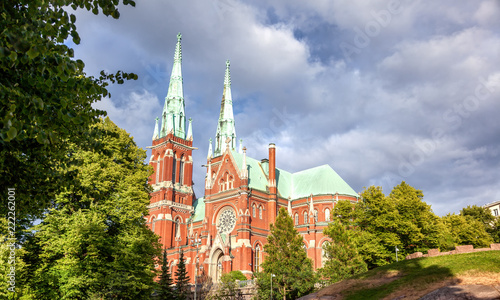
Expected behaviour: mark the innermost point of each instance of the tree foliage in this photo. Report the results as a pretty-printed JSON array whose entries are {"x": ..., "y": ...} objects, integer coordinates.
[
  {"x": 165, "y": 288},
  {"x": 182, "y": 279},
  {"x": 94, "y": 242},
  {"x": 287, "y": 260},
  {"x": 467, "y": 230},
  {"x": 46, "y": 97},
  {"x": 343, "y": 259}
]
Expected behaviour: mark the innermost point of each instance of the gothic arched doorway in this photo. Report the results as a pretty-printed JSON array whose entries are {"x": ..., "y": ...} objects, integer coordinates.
[{"x": 216, "y": 265}]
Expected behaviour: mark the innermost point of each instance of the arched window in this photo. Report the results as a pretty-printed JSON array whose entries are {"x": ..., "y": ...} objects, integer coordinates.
[
  {"x": 177, "y": 228},
  {"x": 254, "y": 208},
  {"x": 222, "y": 185},
  {"x": 305, "y": 218},
  {"x": 158, "y": 170},
  {"x": 230, "y": 182},
  {"x": 296, "y": 219},
  {"x": 327, "y": 215},
  {"x": 323, "y": 252},
  {"x": 153, "y": 219},
  {"x": 315, "y": 215},
  {"x": 174, "y": 165},
  {"x": 260, "y": 212},
  {"x": 257, "y": 258},
  {"x": 181, "y": 170}
]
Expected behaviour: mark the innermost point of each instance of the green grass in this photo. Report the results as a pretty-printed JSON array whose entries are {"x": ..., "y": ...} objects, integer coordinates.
[{"x": 422, "y": 272}]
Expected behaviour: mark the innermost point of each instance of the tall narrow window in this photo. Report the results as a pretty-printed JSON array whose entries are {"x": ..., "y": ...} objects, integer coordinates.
[
  {"x": 327, "y": 215},
  {"x": 153, "y": 224},
  {"x": 158, "y": 170},
  {"x": 316, "y": 216},
  {"x": 323, "y": 253},
  {"x": 257, "y": 258},
  {"x": 254, "y": 208},
  {"x": 181, "y": 170},
  {"x": 174, "y": 165},
  {"x": 305, "y": 217},
  {"x": 296, "y": 219},
  {"x": 177, "y": 229},
  {"x": 260, "y": 212}
]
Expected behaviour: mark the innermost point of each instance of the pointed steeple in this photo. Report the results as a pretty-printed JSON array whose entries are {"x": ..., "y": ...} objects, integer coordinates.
[
  {"x": 225, "y": 127},
  {"x": 155, "y": 133},
  {"x": 189, "y": 135},
  {"x": 240, "y": 149},
  {"x": 173, "y": 109},
  {"x": 311, "y": 205},
  {"x": 244, "y": 168},
  {"x": 289, "y": 206},
  {"x": 210, "y": 152}
]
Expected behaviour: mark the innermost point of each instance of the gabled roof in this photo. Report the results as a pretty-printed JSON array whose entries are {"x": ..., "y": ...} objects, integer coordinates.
[
  {"x": 199, "y": 209},
  {"x": 316, "y": 181}
]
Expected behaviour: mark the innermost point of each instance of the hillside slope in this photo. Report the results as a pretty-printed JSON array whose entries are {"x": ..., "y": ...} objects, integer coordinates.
[{"x": 413, "y": 279}]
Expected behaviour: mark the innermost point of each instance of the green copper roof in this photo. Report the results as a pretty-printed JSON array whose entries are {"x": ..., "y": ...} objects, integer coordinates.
[
  {"x": 199, "y": 209},
  {"x": 173, "y": 117},
  {"x": 225, "y": 127},
  {"x": 322, "y": 180}
]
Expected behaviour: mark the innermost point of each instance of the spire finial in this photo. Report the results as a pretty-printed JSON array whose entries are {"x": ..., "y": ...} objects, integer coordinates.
[
  {"x": 174, "y": 102},
  {"x": 210, "y": 153},
  {"x": 155, "y": 133},
  {"x": 225, "y": 127},
  {"x": 189, "y": 135}
]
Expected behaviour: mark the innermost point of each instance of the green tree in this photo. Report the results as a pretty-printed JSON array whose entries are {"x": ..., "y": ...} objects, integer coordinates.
[
  {"x": 233, "y": 276},
  {"x": 165, "y": 289},
  {"x": 182, "y": 279},
  {"x": 287, "y": 260},
  {"x": 343, "y": 259},
  {"x": 227, "y": 288},
  {"x": 483, "y": 215},
  {"x": 419, "y": 229},
  {"x": 467, "y": 230},
  {"x": 378, "y": 215},
  {"x": 95, "y": 242},
  {"x": 46, "y": 98}
]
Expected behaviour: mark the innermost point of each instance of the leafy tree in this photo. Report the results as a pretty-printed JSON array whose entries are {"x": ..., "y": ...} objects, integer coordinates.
[
  {"x": 182, "y": 279},
  {"x": 378, "y": 215},
  {"x": 233, "y": 276},
  {"x": 343, "y": 259},
  {"x": 95, "y": 242},
  {"x": 467, "y": 230},
  {"x": 165, "y": 291},
  {"x": 483, "y": 215},
  {"x": 287, "y": 260},
  {"x": 227, "y": 288},
  {"x": 46, "y": 98},
  {"x": 419, "y": 229}
]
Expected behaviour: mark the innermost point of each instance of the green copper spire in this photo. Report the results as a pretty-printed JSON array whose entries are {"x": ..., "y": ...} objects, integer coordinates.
[
  {"x": 173, "y": 118},
  {"x": 225, "y": 127},
  {"x": 155, "y": 133}
]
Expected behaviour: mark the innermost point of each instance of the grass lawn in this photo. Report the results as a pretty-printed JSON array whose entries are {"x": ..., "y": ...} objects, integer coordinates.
[{"x": 414, "y": 278}]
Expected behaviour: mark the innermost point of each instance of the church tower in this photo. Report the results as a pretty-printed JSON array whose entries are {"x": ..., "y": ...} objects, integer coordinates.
[{"x": 172, "y": 197}]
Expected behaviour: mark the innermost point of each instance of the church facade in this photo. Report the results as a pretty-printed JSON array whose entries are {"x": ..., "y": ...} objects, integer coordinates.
[{"x": 227, "y": 228}]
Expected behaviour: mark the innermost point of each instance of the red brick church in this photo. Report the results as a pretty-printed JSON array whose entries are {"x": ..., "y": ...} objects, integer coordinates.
[{"x": 226, "y": 229}]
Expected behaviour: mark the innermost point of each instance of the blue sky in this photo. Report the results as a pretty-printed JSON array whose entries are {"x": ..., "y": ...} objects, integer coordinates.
[{"x": 382, "y": 91}]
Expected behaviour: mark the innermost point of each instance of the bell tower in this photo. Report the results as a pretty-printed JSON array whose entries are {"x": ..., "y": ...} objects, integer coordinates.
[{"x": 172, "y": 198}]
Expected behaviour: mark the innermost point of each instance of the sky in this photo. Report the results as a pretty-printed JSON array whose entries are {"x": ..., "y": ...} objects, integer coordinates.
[{"x": 382, "y": 91}]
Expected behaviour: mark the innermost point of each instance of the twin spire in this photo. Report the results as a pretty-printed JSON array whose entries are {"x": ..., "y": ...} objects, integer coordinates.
[
  {"x": 173, "y": 119},
  {"x": 225, "y": 127}
]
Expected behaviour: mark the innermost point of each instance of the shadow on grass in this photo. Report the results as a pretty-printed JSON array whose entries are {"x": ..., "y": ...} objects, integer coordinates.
[{"x": 405, "y": 275}]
